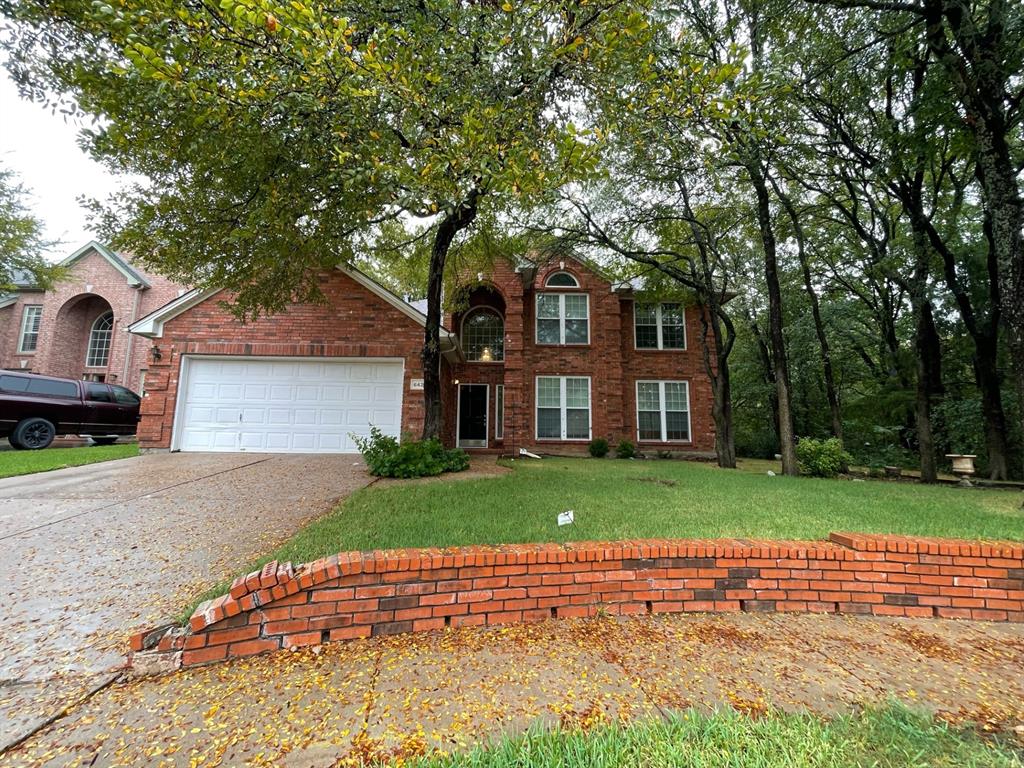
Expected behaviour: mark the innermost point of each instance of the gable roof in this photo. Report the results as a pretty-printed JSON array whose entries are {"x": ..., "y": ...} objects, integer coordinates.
[
  {"x": 118, "y": 262},
  {"x": 152, "y": 325}
]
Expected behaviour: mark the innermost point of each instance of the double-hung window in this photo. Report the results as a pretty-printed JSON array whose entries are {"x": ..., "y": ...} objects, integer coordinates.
[
  {"x": 663, "y": 411},
  {"x": 30, "y": 328},
  {"x": 659, "y": 326},
  {"x": 563, "y": 318},
  {"x": 563, "y": 407}
]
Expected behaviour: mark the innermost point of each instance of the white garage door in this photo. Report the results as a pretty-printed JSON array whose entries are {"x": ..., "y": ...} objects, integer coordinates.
[{"x": 296, "y": 405}]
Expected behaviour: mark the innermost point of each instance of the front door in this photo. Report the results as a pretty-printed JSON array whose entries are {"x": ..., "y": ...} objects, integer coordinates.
[{"x": 473, "y": 415}]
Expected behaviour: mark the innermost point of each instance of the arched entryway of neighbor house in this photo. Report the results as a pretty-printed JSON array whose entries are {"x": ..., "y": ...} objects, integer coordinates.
[
  {"x": 480, "y": 380},
  {"x": 83, "y": 339}
]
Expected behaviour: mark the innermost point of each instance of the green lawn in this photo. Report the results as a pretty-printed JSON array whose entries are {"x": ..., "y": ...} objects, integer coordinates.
[
  {"x": 616, "y": 499},
  {"x": 26, "y": 462},
  {"x": 892, "y": 737}
]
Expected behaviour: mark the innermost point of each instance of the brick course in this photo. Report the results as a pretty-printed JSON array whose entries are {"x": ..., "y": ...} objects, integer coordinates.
[{"x": 364, "y": 594}]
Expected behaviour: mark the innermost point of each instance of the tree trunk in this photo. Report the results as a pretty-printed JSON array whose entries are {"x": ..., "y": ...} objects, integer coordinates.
[
  {"x": 928, "y": 362},
  {"x": 987, "y": 376},
  {"x": 721, "y": 384},
  {"x": 453, "y": 223},
  {"x": 787, "y": 444},
  {"x": 721, "y": 412},
  {"x": 819, "y": 326}
]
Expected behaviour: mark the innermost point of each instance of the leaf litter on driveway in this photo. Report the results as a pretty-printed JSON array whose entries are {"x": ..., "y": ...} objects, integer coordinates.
[{"x": 395, "y": 698}]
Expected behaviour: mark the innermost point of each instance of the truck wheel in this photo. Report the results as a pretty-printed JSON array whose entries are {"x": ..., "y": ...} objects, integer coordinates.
[
  {"x": 34, "y": 434},
  {"x": 14, "y": 443},
  {"x": 104, "y": 440}
]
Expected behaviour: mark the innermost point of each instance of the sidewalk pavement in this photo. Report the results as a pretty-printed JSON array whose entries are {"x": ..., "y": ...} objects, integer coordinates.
[{"x": 402, "y": 696}]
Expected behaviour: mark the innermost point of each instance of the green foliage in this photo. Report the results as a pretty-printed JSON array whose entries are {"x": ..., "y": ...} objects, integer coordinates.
[
  {"x": 598, "y": 447},
  {"x": 280, "y": 138},
  {"x": 821, "y": 458},
  {"x": 385, "y": 456},
  {"x": 21, "y": 238},
  {"x": 625, "y": 450}
]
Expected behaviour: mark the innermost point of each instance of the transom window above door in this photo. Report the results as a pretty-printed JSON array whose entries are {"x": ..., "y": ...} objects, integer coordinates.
[
  {"x": 483, "y": 336},
  {"x": 563, "y": 318},
  {"x": 660, "y": 326}
]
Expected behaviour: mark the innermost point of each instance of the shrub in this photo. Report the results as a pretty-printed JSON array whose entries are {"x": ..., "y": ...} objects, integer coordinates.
[
  {"x": 385, "y": 456},
  {"x": 598, "y": 447},
  {"x": 625, "y": 450},
  {"x": 821, "y": 458}
]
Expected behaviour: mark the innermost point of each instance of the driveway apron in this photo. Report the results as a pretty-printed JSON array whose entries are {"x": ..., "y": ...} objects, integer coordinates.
[{"x": 90, "y": 553}]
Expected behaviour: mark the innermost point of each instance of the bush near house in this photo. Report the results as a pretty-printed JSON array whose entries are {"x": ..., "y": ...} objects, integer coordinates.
[
  {"x": 385, "y": 456},
  {"x": 626, "y": 450},
  {"x": 821, "y": 458},
  {"x": 598, "y": 447}
]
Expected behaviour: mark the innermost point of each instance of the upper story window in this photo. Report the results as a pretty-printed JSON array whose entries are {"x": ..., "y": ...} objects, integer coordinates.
[
  {"x": 99, "y": 341},
  {"x": 561, "y": 280},
  {"x": 659, "y": 326},
  {"x": 563, "y": 318},
  {"x": 30, "y": 319},
  {"x": 483, "y": 336}
]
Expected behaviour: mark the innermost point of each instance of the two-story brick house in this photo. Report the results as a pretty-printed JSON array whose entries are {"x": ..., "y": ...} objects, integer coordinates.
[
  {"x": 79, "y": 328},
  {"x": 542, "y": 356},
  {"x": 560, "y": 354}
]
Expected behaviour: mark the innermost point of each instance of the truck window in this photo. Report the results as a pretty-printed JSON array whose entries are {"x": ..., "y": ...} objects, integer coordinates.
[
  {"x": 98, "y": 393},
  {"x": 13, "y": 383},
  {"x": 50, "y": 388},
  {"x": 125, "y": 396}
]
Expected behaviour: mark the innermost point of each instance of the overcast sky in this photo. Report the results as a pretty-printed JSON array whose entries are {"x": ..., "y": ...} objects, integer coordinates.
[{"x": 41, "y": 148}]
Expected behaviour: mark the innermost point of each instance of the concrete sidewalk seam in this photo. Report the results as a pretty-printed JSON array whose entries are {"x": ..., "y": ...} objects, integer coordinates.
[{"x": 64, "y": 712}]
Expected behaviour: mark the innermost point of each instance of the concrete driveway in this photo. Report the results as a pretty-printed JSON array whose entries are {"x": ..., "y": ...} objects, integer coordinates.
[{"x": 89, "y": 553}]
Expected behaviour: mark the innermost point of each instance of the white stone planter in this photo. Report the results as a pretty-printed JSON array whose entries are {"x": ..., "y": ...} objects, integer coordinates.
[{"x": 963, "y": 466}]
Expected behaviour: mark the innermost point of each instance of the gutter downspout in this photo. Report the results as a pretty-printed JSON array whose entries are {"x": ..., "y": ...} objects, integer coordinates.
[{"x": 131, "y": 339}]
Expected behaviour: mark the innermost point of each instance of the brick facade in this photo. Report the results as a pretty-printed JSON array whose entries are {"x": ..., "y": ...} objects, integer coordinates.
[
  {"x": 611, "y": 361},
  {"x": 355, "y": 322},
  {"x": 352, "y": 323},
  {"x": 363, "y": 594},
  {"x": 93, "y": 287}
]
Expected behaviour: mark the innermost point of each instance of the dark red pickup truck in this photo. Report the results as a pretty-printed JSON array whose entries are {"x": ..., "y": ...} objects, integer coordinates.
[{"x": 35, "y": 409}]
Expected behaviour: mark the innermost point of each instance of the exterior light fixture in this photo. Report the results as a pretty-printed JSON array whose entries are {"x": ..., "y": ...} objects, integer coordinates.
[{"x": 155, "y": 352}]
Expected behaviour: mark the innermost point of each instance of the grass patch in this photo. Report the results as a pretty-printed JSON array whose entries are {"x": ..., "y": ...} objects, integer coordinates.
[
  {"x": 888, "y": 737},
  {"x": 642, "y": 499},
  {"x": 27, "y": 462}
]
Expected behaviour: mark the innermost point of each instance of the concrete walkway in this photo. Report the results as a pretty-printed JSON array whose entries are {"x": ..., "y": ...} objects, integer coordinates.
[
  {"x": 91, "y": 552},
  {"x": 401, "y": 696}
]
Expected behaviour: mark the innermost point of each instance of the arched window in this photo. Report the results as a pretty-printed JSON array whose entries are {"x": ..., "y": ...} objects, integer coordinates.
[
  {"x": 99, "y": 341},
  {"x": 483, "y": 336},
  {"x": 562, "y": 280}
]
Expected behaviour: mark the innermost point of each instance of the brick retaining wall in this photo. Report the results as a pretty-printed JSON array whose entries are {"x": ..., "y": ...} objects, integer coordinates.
[{"x": 364, "y": 594}]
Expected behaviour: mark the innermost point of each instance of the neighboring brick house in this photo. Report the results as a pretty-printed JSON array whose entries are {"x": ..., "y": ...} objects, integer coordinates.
[
  {"x": 79, "y": 328},
  {"x": 543, "y": 357}
]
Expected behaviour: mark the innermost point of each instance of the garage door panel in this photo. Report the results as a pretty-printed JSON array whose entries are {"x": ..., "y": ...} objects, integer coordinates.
[{"x": 302, "y": 406}]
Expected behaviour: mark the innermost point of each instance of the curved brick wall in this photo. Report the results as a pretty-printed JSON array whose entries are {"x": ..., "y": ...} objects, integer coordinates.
[{"x": 362, "y": 594}]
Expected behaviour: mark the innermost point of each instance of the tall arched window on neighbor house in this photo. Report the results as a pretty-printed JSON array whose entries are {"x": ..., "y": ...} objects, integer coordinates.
[
  {"x": 483, "y": 336},
  {"x": 98, "y": 353}
]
